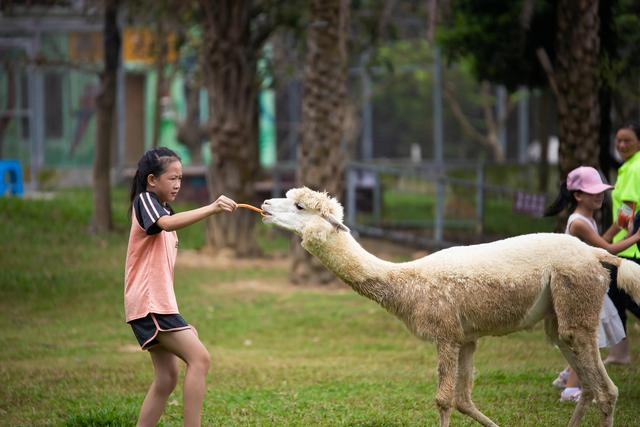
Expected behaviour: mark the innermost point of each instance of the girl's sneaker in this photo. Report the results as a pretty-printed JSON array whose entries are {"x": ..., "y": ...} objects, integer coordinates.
[
  {"x": 571, "y": 394},
  {"x": 561, "y": 381}
]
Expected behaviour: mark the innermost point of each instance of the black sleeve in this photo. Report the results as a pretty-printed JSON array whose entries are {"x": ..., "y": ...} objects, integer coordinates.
[{"x": 148, "y": 211}]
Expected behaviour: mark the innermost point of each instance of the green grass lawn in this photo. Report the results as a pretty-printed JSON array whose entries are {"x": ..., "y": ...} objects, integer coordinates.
[{"x": 282, "y": 356}]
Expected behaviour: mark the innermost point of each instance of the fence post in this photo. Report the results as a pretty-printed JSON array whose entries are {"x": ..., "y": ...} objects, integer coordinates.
[
  {"x": 480, "y": 199},
  {"x": 351, "y": 196},
  {"x": 377, "y": 198},
  {"x": 523, "y": 124},
  {"x": 276, "y": 189},
  {"x": 439, "y": 217},
  {"x": 438, "y": 132}
]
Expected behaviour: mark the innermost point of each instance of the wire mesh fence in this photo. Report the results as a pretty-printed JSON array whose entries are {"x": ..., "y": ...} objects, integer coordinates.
[{"x": 438, "y": 206}]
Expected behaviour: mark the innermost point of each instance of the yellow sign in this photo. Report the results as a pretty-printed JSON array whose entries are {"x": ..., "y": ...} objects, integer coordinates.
[{"x": 141, "y": 45}]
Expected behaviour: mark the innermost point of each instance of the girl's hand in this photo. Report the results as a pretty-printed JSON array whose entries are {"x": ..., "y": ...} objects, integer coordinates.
[{"x": 223, "y": 204}]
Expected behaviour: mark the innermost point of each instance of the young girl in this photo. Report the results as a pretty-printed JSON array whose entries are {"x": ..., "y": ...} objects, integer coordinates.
[
  {"x": 583, "y": 193},
  {"x": 149, "y": 301}
]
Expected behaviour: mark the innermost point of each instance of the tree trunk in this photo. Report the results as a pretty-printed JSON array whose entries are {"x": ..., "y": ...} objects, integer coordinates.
[
  {"x": 230, "y": 71},
  {"x": 190, "y": 132},
  {"x": 105, "y": 102},
  {"x": 160, "y": 53},
  {"x": 609, "y": 53},
  {"x": 5, "y": 118},
  {"x": 321, "y": 155},
  {"x": 578, "y": 49}
]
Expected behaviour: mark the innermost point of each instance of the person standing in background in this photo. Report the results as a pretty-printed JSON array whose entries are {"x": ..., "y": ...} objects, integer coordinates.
[{"x": 627, "y": 191}]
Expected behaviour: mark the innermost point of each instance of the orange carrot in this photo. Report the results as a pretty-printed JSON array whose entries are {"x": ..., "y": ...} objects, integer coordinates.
[{"x": 250, "y": 207}]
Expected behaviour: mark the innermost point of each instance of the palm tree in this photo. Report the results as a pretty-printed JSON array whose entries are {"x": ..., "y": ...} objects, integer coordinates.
[
  {"x": 321, "y": 157},
  {"x": 577, "y": 76},
  {"x": 229, "y": 56},
  {"x": 105, "y": 102}
]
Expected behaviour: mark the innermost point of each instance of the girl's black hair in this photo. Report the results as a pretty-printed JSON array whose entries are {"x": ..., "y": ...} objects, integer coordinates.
[
  {"x": 153, "y": 162},
  {"x": 565, "y": 199},
  {"x": 633, "y": 127}
]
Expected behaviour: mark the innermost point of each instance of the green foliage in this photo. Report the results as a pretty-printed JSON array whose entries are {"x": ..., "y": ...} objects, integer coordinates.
[
  {"x": 621, "y": 58},
  {"x": 403, "y": 101},
  {"x": 499, "y": 46}
]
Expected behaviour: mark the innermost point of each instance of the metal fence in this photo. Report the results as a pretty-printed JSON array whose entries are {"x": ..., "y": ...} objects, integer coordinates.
[
  {"x": 436, "y": 206},
  {"x": 433, "y": 206}
]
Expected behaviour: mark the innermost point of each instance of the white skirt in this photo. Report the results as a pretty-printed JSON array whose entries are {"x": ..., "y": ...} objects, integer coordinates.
[{"x": 611, "y": 330}]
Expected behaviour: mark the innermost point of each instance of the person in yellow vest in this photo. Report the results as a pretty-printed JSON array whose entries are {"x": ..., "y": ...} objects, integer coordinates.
[
  {"x": 149, "y": 299},
  {"x": 627, "y": 192}
]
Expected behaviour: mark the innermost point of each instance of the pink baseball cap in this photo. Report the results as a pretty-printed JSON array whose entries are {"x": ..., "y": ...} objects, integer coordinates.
[{"x": 586, "y": 179}]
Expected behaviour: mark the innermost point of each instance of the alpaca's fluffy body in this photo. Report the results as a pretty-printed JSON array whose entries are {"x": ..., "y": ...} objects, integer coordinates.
[
  {"x": 457, "y": 295},
  {"x": 464, "y": 292}
]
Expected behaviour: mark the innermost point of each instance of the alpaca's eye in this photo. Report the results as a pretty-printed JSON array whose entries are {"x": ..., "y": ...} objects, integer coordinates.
[{"x": 299, "y": 206}]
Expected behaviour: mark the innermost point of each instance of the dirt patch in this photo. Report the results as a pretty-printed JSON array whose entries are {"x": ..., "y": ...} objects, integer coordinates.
[
  {"x": 381, "y": 248},
  {"x": 282, "y": 286},
  {"x": 204, "y": 259},
  {"x": 391, "y": 251},
  {"x": 129, "y": 348}
]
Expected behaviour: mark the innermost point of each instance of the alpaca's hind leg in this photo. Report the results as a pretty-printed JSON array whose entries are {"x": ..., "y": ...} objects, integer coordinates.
[
  {"x": 595, "y": 381},
  {"x": 605, "y": 391},
  {"x": 464, "y": 385},
  {"x": 582, "y": 353},
  {"x": 585, "y": 398},
  {"x": 447, "y": 372}
]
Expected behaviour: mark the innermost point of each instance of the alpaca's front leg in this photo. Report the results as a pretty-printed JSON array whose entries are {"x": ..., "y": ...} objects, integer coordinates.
[
  {"x": 447, "y": 373},
  {"x": 464, "y": 385}
]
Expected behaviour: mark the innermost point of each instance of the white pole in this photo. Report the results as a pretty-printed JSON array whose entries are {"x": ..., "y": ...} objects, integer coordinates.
[
  {"x": 523, "y": 124},
  {"x": 437, "y": 108}
]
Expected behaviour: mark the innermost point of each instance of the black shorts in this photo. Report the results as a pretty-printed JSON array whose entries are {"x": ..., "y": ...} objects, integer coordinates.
[{"x": 146, "y": 328}]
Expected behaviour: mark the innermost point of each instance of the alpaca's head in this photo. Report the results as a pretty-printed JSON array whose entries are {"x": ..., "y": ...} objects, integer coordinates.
[{"x": 305, "y": 212}]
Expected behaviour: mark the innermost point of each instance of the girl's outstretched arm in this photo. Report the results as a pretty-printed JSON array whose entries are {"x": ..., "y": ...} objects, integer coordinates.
[
  {"x": 611, "y": 231},
  {"x": 582, "y": 231},
  {"x": 183, "y": 219}
]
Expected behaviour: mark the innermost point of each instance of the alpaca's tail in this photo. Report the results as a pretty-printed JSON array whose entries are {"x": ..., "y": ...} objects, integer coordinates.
[
  {"x": 628, "y": 273},
  {"x": 629, "y": 279}
]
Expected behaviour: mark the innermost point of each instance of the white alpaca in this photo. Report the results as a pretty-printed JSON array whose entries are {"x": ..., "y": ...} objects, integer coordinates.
[{"x": 457, "y": 295}]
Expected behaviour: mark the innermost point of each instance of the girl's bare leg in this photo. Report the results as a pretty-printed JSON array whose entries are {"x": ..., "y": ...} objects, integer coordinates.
[
  {"x": 573, "y": 380},
  {"x": 619, "y": 353},
  {"x": 186, "y": 345},
  {"x": 165, "y": 366}
]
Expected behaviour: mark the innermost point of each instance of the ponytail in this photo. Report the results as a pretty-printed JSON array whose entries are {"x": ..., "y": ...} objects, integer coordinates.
[
  {"x": 153, "y": 162},
  {"x": 564, "y": 200}
]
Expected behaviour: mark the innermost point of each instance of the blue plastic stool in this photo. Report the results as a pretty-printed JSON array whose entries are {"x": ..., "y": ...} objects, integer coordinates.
[{"x": 13, "y": 169}]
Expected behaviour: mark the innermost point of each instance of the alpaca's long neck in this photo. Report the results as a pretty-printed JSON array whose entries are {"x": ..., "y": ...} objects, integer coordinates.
[{"x": 364, "y": 272}]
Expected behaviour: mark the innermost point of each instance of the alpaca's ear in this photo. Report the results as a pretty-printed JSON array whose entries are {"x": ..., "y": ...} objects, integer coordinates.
[{"x": 337, "y": 224}]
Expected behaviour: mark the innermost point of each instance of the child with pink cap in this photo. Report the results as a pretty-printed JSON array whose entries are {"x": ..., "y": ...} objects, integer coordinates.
[{"x": 582, "y": 194}]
